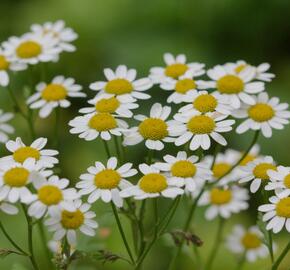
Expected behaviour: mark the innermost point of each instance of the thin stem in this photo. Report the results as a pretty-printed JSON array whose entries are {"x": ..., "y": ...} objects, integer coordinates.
[
  {"x": 56, "y": 128},
  {"x": 241, "y": 262},
  {"x": 141, "y": 226},
  {"x": 44, "y": 242},
  {"x": 281, "y": 257},
  {"x": 118, "y": 153},
  {"x": 16, "y": 104},
  {"x": 107, "y": 149},
  {"x": 122, "y": 232}
]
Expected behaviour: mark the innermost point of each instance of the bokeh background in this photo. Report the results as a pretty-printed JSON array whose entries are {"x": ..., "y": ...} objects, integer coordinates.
[{"x": 137, "y": 33}]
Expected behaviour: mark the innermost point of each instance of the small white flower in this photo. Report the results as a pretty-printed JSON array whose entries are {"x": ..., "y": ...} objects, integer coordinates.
[
  {"x": 257, "y": 172},
  {"x": 108, "y": 103},
  {"x": 106, "y": 182},
  {"x": 199, "y": 128},
  {"x": 279, "y": 180},
  {"x": 277, "y": 213},
  {"x": 151, "y": 185},
  {"x": 264, "y": 114},
  {"x": 4, "y": 127},
  {"x": 66, "y": 223},
  {"x": 183, "y": 171},
  {"x": 8, "y": 208},
  {"x": 235, "y": 87},
  {"x": 59, "y": 31},
  {"x": 224, "y": 202},
  {"x": 21, "y": 152},
  {"x": 247, "y": 242},
  {"x": 175, "y": 68},
  {"x": 153, "y": 129},
  {"x": 122, "y": 83}
]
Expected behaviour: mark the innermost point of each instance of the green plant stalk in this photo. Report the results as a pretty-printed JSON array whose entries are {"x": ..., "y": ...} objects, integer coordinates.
[
  {"x": 118, "y": 152},
  {"x": 281, "y": 257},
  {"x": 107, "y": 149},
  {"x": 141, "y": 227},
  {"x": 241, "y": 262},
  {"x": 44, "y": 242}
]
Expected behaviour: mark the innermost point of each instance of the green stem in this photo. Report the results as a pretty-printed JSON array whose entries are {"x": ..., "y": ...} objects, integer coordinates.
[
  {"x": 56, "y": 128},
  {"x": 281, "y": 257},
  {"x": 141, "y": 227},
  {"x": 16, "y": 104},
  {"x": 44, "y": 242},
  {"x": 241, "y": 262},
  {"x": 107, "y": 149},
  {"x": 118, "y": 153}
]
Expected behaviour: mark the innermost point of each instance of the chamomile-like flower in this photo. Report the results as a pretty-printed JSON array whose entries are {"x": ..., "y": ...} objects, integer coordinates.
[
  {"x": 66, "y": 223},
  {"x": 199, "y": 128},
  {"x": 151, "y": 185},
  {"x": 257, "y": 172},
  {"x": 108, "y": 103},
  {"x": 183, "y": 171},
  {"x": 59, "y": 31},
  {"x": 52, "y": 194},
  {"x": 153, "y": 129},
  {"x": 54, "y": 94},
  {"x": 235, "y": 87},
  {"x": 21, "y": 152},
  {"x": 265, "y": 114},
  {"x": 224, "y": 201},
  {"x": 279, "y": 180},
  {"x": 106, "y": 182},
  {"x": 8, "y": 208},
  {"x": 123, "y": 82},
  {"x": 5, "y": 128},
  {"x": 175, "y": 68},
  {"x": 277, "y": 213},
  {"x": 247, "y": 242}
]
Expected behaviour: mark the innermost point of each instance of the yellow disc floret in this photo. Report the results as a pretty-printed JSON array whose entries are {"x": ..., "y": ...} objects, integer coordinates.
[
  {"x": 119, "y": 87},
  {"x": 251, "y": 241},
  {"x": 102, "y": 122},
  {"x": 260, "y": 171},
  {"x": 183, "y": 168},
  {"x": 16, "y": 177},
  {"x": 261, "y": 112},
  {"x": 201, "y": 124},
  {"x": 107, "y": 105},
  {"x": 287, "y": 181},
  {"x": 153, "y": 183},
  {"x": 205, "y": 103},
  {"x": 220, "y": 196},
  {"x": 54, "y": 92},
  {"x": 4, "y": 64},
  {"x": 175, "y": 70},
  {"x": 153, "y": 129},
  {"x": 28, "y": 49},
  {"x": 50, "y": 195},
  {"x": 183, "y": 86},
  {"x": 230, "y": 84},
  {"x": 23, "y": 153},
  {"x": 72, "y": 220},
  {"x": 283, "y": 208},
  {"x": 220, "y": 169},
  {"x": 107, "y": 179}
]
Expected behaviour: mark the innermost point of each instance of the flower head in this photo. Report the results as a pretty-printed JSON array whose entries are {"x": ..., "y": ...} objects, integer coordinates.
[{"x": 279, "y": 180}]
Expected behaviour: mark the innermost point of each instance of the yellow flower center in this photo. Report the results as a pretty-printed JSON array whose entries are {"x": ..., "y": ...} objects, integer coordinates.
[
  {"x": 248, "y": 158},
  {"x": 16, "y": 177},
  {"x": 287, "y": 181},
  {"x": 261, "y": 112},
  {"x": 107, "y": 179},
  {"x": 220, "y": 196},
  {"x": 72, "y": 220},
  {"x": 251, "y": 241},
  {"x": 283, "y": 208},
  {"x": 107, "y": 105},
  {"x": 153, "y": 129},
  {"x": 220, "y": 169},
  {"x": 230, "y": 84},
  {"x": 260, "y": 171},
  {"x": 119, "y": 87},
  {"x": 153, "y": 183},
  {"x": 54, "y": 92},
  {"x": 201, "y": 124},
  {"x": 205, "y": 103},
  {"x": 4, "y": 64},
  {"x": 175, "y": 70},
  {"x": 184, "y": 85},
  {"x": 183, "y": 168},
  {"x": 28, "y": 49},
  {"x": 23, "y": 153},
  {"x": 240, "y": 68},
  {"x": 50, "y": 195},
  {"x": 102, "y": 122}
]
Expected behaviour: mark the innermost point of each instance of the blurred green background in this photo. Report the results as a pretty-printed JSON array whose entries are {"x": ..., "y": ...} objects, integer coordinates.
[{"x": 137, "y": 33}]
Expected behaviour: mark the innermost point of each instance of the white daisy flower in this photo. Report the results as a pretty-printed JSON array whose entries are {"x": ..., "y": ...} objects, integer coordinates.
[
  {"x": 277, "y": 213},
  {"x": 224, "y": 202},
  {"x": 199, "y": 128},
  {"x": 66, "y": 223},
  {"x": 183, "y": 171},
  {"x": 54, "y": 94},
  {"x": 59, "y": 31},
  {"x": 265, "y": 114},
  {"x": 279, "y": 180},
  {"x": 153, "y": 129},
  {"x": 32, "y": 48},
  {"x": 108, "y": 103},
  {"x": 247, "y": 242},
  {"x": 8, "y": 208},
  {"x": 122, "y": 83},
  {"x": 106, "y": 182},
  {"x": 52, "y": 194},
  {"x": 175, "y": 68},
  {"x": 257, "y": 172},
  {"x": 92, "y": 125},
  {"x": 235, "y": 87},
  {"x": 151, "y": 185},
  {"x": 14, "y": 180},
  {"x": 21, "y": 152},
  {"x": 4, "y": 127}
]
